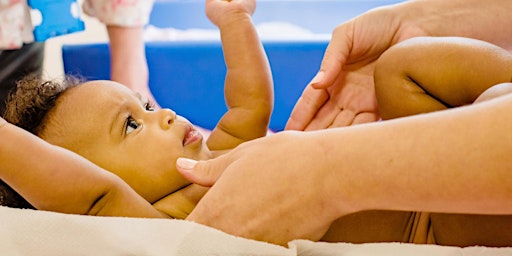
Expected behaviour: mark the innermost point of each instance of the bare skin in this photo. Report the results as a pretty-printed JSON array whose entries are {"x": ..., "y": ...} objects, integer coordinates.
[
  {"x": 45, "y": 166},
  {"x": 336, "y": 188},
  {"x": 435, "y": 158},
  {"x": 342, "y": 93},
  {"x": 117, "y": 129}
]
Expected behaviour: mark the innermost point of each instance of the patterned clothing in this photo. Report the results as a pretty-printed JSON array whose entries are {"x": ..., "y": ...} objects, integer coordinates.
[{"x": 16, "y": 26}]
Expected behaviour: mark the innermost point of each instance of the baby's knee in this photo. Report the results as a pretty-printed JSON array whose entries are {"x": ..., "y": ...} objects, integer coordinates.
[
  {"x": 494, "y": 92},
  {"x": 391, "y": 81}
]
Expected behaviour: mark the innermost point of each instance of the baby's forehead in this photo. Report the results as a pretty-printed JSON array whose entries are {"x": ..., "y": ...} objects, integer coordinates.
[
  {"x": 88, "y": 108},
  {"x": 92, "y": 95},
  {"x": 98, "y": 90},
  {"x": 105, "y": 85}
]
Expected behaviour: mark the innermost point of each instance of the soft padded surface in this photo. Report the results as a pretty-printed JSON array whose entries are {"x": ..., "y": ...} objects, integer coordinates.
[{"x": 31, "y": 232}]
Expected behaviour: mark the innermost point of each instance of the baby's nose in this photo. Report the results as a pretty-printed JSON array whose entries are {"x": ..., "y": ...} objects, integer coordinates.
[{"x": 167, "y": 116}]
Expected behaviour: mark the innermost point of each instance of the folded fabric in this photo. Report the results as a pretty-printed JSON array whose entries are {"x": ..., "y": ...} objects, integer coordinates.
[
  {"x": 31, "y": 232},
  {"x": 392, "y": 249}
]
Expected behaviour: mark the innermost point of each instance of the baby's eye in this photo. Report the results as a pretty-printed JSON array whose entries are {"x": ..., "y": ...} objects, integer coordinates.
[
  {"x": 149, "y": 106},
  {"x": 131, "y": 125}
]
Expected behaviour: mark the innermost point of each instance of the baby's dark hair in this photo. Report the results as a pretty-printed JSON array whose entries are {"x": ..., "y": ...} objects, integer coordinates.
[
  {"x": 10, "y": 198},
  {"x": 29, "y": 103},
  {"x": 27, "y": 106}
]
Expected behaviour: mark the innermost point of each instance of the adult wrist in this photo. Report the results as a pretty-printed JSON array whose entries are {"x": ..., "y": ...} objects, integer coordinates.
[{"x": 334, "y": 160}]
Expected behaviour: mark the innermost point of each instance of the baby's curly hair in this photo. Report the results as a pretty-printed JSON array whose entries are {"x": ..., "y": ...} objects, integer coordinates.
[
  {"x": 27, "y": 107},
  {"x": 29, "y": 103}
]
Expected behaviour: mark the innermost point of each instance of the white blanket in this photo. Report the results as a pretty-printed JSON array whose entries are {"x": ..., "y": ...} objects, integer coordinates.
[{"x": 30, "y": 232}]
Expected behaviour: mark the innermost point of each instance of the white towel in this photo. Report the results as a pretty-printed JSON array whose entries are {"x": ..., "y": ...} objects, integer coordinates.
[
  {"x": 393, "y": 249},
  {"x": 31, "y": 232}
]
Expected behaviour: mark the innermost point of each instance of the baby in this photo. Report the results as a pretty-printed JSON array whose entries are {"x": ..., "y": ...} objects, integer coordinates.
[
  {"x": 426, "y": 74},
  {"x": 118, "y": 130},
  {"x": 114, "y": 128}
]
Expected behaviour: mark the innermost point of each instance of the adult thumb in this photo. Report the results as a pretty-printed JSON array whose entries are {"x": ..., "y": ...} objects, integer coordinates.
[{"x": 202, "y": 173}]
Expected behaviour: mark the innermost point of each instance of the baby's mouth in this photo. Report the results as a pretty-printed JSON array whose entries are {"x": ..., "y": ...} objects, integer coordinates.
[{"x": 191, "y": 135}]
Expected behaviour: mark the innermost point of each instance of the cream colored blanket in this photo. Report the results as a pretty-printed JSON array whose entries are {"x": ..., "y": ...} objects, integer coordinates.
[{"x": 30, "y": 232}]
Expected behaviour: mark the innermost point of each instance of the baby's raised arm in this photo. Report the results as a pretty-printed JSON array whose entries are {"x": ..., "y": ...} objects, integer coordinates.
[{"x": 248, "y": 85}]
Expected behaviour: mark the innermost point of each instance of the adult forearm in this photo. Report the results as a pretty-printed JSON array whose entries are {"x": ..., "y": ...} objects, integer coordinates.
[
  {"x": 451, "y": 161},
  {"x": 128, "y": 56},
  {"x": 485, "y": 20},
  {"x": 42, "y": 173}
]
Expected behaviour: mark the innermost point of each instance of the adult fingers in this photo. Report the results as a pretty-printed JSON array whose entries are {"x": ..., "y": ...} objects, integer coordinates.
[
  {"x": 335, "y": 56},
  {"x": 365, "y": 117},
  {"x": 306, "y": 108},
  {"x": 325, "y": 116},
  {"x": 204, "y": 173},
  {"x": 348, "y": 118},
  {"x": 344, "y": 118}
]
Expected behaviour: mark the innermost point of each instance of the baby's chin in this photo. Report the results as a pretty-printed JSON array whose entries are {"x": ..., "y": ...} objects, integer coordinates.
[{"x": 205, "y": 153}]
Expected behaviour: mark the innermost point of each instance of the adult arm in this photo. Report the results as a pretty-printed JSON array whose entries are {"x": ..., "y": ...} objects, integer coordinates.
[
  {"x": 124, "y": 22},
  {"x": 248, "y": 87},
  {"x": 342, "y": 92},
  {"x": 453, "y": 161},
  {"x": 55, "y": 179},
  {"x": 128, "y": 59}
]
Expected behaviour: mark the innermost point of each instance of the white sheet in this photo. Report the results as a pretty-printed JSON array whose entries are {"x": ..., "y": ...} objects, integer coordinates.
[{"x": 30, "y": 232}]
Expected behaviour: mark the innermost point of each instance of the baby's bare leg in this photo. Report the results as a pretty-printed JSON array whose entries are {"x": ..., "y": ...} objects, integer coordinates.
[
  {"x": 468, "y": 230},
  {"x": 419, "y": 78},
  {"x": 422, "y": 75},
  {"x": 371, "y": 226},
  {"x": 494, "y": 92}
]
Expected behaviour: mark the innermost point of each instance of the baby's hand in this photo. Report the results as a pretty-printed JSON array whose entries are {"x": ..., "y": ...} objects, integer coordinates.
[{"x": 223, "y": 11}]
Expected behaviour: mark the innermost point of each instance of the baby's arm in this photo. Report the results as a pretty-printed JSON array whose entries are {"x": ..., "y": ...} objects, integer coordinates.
[
  {"x": 55, "y": 179},
  {"x": 248, "y": 86},
  {"x": 434, "y": 73}
]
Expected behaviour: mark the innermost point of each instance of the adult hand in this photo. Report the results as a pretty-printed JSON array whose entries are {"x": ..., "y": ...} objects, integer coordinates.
[
  {"x": 262, "y": 196},
  {"x": 342, "y": 93}
]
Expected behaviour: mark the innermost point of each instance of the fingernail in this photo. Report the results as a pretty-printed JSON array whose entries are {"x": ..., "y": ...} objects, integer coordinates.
[
  {"x": 186, "y": 163},
  {"x": 318, "y": 78}
]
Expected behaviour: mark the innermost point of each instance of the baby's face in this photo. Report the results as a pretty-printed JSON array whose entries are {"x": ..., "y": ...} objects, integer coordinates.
[{"x": 113, "y": 127}]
